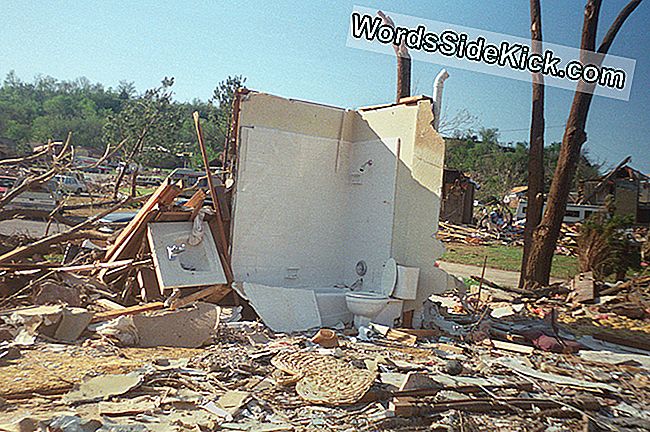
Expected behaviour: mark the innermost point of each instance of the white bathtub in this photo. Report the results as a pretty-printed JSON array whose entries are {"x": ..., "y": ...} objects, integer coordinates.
[
  {"x": 297, "y": 309},
  {"x": 331, "y": 305}
]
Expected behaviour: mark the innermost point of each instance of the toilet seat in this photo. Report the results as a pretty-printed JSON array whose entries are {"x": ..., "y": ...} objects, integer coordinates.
[
  {"x": 388, "y": 278},
  {"x": 366, "y": 295}
]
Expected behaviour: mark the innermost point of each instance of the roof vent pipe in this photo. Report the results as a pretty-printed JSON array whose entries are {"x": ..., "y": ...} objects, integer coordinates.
[{"x": 438, "y": 85}]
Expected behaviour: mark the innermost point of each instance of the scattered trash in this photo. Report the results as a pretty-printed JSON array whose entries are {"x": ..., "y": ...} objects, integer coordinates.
[
  {"x": 326, "y": 338},
  {"x": 102, "y": 387}
]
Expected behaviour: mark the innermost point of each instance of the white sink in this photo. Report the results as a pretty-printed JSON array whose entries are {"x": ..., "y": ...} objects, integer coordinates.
[{"x": 179, "y": 264}]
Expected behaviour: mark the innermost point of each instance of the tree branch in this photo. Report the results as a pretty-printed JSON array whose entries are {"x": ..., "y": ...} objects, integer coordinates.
[
  {"x": 24, "y": 159},
  {"x": 616, "y": 26}
]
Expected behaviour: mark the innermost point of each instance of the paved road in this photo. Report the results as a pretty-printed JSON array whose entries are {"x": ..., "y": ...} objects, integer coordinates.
[
  {"x": 499, "y": 277},
  {"x": 34, "y": 229}
]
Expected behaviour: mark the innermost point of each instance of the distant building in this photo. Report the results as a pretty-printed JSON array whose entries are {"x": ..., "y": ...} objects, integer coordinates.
[
  {"x": 629, "y": 188},
  {"x": 457, "y": 197}
]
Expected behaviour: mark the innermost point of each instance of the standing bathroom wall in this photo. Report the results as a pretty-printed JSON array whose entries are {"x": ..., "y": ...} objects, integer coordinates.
[
  {"x": 288, "y": 207},
  {"x": 370, "y": 209},
  {"x": 320, "y": 188}
]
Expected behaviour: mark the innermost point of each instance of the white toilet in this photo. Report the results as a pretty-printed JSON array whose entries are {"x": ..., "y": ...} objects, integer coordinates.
[{"x": 366, "y": 305}]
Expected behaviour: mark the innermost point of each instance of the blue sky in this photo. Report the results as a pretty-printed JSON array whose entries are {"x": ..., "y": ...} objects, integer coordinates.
[{"x": 298, "y": 49}]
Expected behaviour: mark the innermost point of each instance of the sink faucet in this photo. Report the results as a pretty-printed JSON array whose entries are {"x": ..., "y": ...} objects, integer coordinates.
[{"x": 174, "y": 249}]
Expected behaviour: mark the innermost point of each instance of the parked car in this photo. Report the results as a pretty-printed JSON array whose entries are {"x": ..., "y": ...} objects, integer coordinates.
[
  {"x": 6, "y": 183},
  {"x": 573, "y": 212},
  {"x": 148, "y": 181},
  {"x": 97, "y": 170},
  {"x": 38, "y": 197},
  {"x": 189, "y": 177},
  {"x": 71, "y": 184},
  {"x": 115, "y": 220}
]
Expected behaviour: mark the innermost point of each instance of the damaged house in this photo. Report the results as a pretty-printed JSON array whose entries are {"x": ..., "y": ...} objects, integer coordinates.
[
  {"x": 334, "y": 207},
  {"x": 628, "y": 188}
]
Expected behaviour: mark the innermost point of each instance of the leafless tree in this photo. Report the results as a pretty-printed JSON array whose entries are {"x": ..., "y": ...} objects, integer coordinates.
[
  {"x": 461, "y": 121},
  {"x": 535, "y": 192},
  {"x": 538, "y": 261},
  {"x": 403, "y": 62}
]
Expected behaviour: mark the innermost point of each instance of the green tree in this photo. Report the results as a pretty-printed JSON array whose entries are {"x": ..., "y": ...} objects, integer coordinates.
[{"x": 147, "y": 127}]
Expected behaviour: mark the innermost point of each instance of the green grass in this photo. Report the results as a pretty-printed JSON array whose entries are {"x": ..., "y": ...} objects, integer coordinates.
[
  {"x": 139, "y": 190},
  {"x": 505, "y": 258}
]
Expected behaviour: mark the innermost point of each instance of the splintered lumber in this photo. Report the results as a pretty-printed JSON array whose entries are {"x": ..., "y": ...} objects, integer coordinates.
[
  {"x": 509, "y": 346},
  {"x": 420, "y": 333},
  {"x": 163, "y": 196},
  {"x": 220, "y": 291},
  {"x": 401, "y": 336},
  {"x": 635, "y": 341},
  {"x": 196, "y": 200},
  {"x": 108, "y": 304},
  {"x": 29, "y": 268},
  {"x": 27, "y": 250},
  {"x": 132, "y": 310},
  {"x": 583, "y": 288},
  {"x": 219, "y": 229}
]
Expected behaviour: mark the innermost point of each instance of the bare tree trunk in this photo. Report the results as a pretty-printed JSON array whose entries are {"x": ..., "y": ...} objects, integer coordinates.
[
  {"x": 403, "y": 76},
  {"x": 538, "y": 265},
  {"x": 535, "y": 194},
  {"x": 134, "y": 182},
  {"x": 403, "y": 62}
]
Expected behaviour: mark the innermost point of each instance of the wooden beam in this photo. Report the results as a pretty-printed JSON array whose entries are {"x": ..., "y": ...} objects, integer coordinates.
[
  {"x": 222, "y": 242},
  {"x": 131, "y": 310},
  {"x": 162, "y": 195},
  {"x": 218, "y": 290}
]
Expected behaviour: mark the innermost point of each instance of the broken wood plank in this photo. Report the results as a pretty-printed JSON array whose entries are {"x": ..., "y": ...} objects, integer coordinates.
[
  {"x": 131, "y": 310},
  {"x": 148, "y": 284},
  {"x": 513, "y": 347},
  {"x": 583, "y": 288},
  {"x": 27, "y": 250},
  {"x": 222, "y": 290},
  {"x": 164, "y": 195},
  {"x": 420, "y": 333},
  {"x": 109, "y": 305},
  {"x": 221, "y": 240},
  {"x": 27, "y": 268},
  {"x": 196, "y": 200},
  {"x": 638, "y": 342},
  {"x": 400, "y": 336}
]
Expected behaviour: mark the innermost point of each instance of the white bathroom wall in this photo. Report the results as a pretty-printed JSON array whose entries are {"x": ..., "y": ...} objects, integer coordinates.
[
  {"x": 370, "y": 208},
  {"x": 289, "y": 204}
]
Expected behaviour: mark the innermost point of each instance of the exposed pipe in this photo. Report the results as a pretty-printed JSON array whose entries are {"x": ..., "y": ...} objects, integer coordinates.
[{"x": 438, "y": 85}]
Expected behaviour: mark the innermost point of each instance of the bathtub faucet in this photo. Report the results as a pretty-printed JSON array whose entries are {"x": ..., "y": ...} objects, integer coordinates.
[{"x": 358, "y": 284}]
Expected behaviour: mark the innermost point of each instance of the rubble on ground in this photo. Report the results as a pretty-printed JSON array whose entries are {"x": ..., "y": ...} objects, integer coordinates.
[
  {"x": 509, "y": 235},
  {"x": 492, "y": 358}
]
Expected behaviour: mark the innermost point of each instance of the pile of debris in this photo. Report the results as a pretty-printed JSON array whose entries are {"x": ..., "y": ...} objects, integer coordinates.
[
  {"x": 509, "y": 235},
  {"x": 490, "y": 358}
]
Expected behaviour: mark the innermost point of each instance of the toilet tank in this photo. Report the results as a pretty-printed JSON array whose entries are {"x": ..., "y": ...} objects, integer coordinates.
[{"x": 407, "y": 283}]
